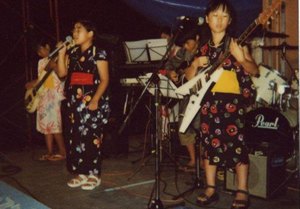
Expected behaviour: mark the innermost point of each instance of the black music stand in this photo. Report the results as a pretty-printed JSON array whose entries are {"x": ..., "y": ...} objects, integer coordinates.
[
  {"x": 167, "y": 89},
  {"x": 145, "y": 50},
  {"x": 156, "y": 202}
]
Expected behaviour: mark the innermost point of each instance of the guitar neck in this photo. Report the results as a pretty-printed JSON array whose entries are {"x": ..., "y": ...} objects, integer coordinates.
[{"x": 38, "y": 86}]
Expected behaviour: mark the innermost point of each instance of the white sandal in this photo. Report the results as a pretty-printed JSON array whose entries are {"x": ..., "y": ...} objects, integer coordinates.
[
  {"x": 90, "y": 185},
  {"x": 75, "y": 182}
]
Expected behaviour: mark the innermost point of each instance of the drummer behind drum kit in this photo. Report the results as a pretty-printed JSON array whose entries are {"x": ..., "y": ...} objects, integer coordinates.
[{"x": 272, "y": 122}]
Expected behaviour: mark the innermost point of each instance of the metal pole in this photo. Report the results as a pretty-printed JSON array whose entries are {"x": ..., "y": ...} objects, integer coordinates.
[
  {"x": 25, "y": 7},
  {"x": 156, "y": 202},
  {"x": 57, "y": 21}
]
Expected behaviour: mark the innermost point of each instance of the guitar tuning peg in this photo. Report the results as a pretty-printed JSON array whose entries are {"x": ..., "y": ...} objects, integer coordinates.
[
  {"x": 272, "y": 17},
  {"x": 268, "y": 22}
]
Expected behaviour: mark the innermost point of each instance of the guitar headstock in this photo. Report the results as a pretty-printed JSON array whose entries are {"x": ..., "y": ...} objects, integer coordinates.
[{"x": 265, "y": 15}]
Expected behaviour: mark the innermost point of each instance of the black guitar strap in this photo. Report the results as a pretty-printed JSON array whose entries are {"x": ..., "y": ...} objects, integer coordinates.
[{"x": 226, "y": 42}]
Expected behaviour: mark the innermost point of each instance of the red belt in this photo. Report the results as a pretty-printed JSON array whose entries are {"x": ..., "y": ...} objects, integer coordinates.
[{"x": 81, "y": 79}]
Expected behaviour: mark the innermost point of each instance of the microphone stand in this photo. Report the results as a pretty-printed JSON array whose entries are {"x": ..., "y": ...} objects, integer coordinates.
[
  {"x": 154, "y": 79},
  {"x": 160, "y": 65},
  {"x": 198, "y": 184}
]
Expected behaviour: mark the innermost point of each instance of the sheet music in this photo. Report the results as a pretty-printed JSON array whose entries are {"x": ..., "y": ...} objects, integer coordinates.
[
  {"x": 167, "y": 87},
  {"x": 145, "y": 50}
]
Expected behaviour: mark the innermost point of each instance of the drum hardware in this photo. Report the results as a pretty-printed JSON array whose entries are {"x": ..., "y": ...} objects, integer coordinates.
[
  {"x": 288, "y": 97},
  {"x": 272, "y": 87},
  {"x": 259, "y": 32},
  {"x": 284, "y": 100},
  {"x": 266, "y": 85},
  {"x": 294, "y": 101},
  {"x": 265, "y": 34},
  {"x": 293, "y": 162},
  {"x": 284, "y": 46}
]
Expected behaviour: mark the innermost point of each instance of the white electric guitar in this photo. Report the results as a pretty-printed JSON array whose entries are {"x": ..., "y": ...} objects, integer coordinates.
[
  {"x": 197, "y": 86},
  {"x": 34, "y": 94}
]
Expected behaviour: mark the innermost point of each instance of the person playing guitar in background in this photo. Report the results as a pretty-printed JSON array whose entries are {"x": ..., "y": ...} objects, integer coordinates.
[
  {"x": 190, "y": 38},
  {"x": 222, "y": 118},
  {"x": 48, "y": 120},
  {"x": 166, "y": 33}
]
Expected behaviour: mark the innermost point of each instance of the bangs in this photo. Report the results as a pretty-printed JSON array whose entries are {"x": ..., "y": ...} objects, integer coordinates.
[
  {"x": 223, "y": 7},
  {"x": 220, "y": 4}
]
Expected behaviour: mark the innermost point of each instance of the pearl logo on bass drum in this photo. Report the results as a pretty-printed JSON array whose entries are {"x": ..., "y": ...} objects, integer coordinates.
[
  {"x": 261, "y": 123},
  {"x": 271, "y": 127}
]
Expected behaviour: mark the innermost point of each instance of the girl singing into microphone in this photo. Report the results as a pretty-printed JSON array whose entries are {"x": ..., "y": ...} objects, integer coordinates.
[{"x": 86, "y": 68}]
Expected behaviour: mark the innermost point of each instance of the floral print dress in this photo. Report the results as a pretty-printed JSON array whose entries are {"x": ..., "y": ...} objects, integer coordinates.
[
  {"x": 222, "y": 114},
  {"x": 48, "y": 120},
  {"x": 83, "y": 126}
]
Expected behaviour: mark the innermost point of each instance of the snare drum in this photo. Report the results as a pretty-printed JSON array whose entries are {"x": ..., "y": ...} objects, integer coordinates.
[
  {"x": 270, "y": 126},
  {"x": 266, "y": 85}
]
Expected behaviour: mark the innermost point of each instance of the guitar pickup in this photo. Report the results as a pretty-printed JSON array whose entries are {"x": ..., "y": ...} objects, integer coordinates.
[
  {"x": 192, "y": 91},
  {"x": 207, "y": 77},
  {"x": 199, "y": 85}
]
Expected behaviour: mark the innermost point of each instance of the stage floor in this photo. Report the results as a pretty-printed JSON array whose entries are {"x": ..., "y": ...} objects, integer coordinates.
[{"x": 120, "y": 188}]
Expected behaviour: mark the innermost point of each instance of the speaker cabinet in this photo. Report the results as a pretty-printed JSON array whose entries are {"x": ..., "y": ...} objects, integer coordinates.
[{"x": 266, "y": 176}]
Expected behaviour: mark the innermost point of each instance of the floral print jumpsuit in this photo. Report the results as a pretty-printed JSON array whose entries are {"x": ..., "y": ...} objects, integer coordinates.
[
  {"x": 222, "y": 114},
  {"x": 83, "y": 129}
]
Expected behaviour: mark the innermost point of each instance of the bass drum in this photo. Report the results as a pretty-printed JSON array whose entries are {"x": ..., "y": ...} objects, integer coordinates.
[{"x": 268, "y": 126}]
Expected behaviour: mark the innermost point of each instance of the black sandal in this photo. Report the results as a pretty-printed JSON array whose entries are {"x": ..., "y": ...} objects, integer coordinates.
[
  {"x": 245, "y": 203},
  {"x": 209, "y": 200},
  {"x": 187, "y": 168}
]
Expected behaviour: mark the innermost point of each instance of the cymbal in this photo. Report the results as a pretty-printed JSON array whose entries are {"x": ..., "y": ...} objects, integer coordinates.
[
  {"x": 280, "y": 47},
  {"x": 268, "y": 34}
]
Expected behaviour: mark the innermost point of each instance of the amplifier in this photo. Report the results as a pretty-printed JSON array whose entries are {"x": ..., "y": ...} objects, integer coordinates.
[{"x": 266, "y": 176}]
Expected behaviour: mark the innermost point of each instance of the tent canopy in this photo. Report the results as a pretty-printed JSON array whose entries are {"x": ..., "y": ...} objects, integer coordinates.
[{"x": 164, "y": 12}]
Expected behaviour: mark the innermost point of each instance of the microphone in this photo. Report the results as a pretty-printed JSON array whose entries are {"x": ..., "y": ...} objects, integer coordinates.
[
  {"x": 68, "y": 40},
  {"x": 198, "y": 20}
]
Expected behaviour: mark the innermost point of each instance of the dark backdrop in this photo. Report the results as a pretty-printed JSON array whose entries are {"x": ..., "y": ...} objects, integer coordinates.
[
  {"x": 117, "y": 21},
  {"x": 114, "y": 18}
]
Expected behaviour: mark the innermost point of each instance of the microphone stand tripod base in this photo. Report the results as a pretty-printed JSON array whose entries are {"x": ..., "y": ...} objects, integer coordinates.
[
  {"x": 198, "y": 184},
  {"x": 156, "y": 204}
]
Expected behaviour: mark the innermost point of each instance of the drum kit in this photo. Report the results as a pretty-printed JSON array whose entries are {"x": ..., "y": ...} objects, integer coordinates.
[{"x": 272, "y": 121}]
